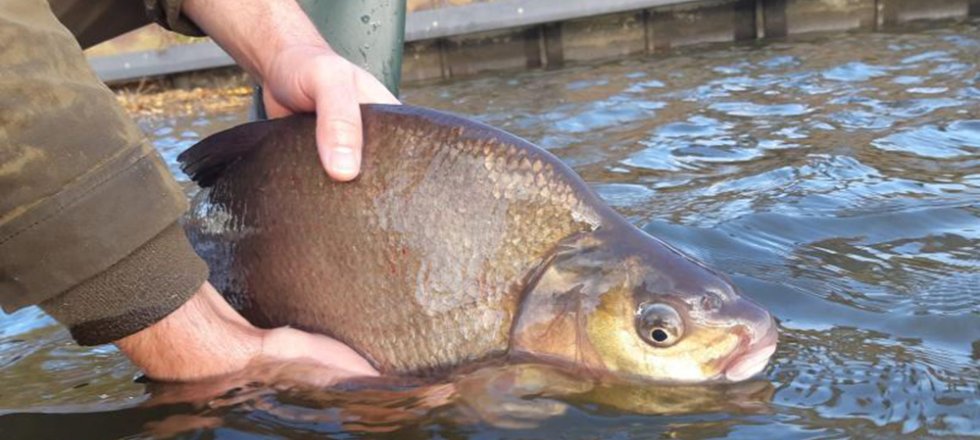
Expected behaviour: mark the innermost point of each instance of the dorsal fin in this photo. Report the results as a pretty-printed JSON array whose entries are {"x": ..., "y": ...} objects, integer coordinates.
[{"x": 206, "y": 161}]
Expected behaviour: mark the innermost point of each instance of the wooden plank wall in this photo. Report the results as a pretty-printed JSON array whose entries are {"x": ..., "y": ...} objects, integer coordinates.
[
  {"x": 660, "y": 29},
  {"x": 553, "y": 42}
]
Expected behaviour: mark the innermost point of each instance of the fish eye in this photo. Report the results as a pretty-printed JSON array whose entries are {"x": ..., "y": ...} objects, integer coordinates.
[{"x": 659, "y": 324}]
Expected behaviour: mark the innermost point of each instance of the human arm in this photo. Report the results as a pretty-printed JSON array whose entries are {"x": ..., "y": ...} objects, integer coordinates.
[
  {"x": 89, "y": 215},
  {"x": 278, "y": 45}
]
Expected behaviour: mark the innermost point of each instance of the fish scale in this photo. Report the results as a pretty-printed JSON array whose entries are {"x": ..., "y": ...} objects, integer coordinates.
[{"x": 454, "y": 280}]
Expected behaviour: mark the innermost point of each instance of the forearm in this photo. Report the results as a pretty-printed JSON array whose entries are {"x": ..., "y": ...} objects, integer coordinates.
[{"x": 253, "y": 32}]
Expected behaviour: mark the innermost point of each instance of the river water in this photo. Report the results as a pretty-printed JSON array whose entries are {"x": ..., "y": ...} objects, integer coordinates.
[{"x": 835, "y": 178}]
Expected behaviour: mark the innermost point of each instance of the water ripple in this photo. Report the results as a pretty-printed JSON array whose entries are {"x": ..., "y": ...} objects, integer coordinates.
[
  {"x": 855, "y": 71},
  {"x": 956, "y": 139},
  {"x": 835, "y": 178},
  {"x": 748, "y": 109}
]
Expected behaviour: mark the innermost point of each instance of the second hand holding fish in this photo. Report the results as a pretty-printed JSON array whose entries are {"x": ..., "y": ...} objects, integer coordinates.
[
  {"x": 308, "y": 78},
  {"x": 299, "y": 73}
]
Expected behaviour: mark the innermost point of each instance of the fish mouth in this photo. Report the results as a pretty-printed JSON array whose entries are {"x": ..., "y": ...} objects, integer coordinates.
[{"x": 754, "y": 359}]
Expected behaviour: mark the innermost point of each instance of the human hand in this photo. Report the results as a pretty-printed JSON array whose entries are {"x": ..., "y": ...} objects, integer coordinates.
[
  {"x": 288, "y": 344},
  {"x": 206, "y": 338},
  {"x": 299, "y": 72},
  {"x": 306, "y": 78}
]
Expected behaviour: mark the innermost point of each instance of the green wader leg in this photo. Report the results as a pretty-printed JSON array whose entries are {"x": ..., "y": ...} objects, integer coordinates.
[{"x": 369, "y": 33}]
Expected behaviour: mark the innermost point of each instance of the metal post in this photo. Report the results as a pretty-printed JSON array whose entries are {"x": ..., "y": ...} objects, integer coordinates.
[{"x": 368, "y": 33}]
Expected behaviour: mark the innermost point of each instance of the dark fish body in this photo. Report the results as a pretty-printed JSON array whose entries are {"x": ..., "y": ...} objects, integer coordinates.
[{"x": 457, "y": 243}]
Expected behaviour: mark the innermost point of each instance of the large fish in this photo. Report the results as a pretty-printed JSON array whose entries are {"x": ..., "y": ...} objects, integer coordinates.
[{"x": 458, "y": 244}]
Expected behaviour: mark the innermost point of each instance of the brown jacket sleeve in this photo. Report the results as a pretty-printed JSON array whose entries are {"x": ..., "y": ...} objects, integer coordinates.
[
  {"x": 167, "y": 13},
  {"x": 88, "y": 210}
]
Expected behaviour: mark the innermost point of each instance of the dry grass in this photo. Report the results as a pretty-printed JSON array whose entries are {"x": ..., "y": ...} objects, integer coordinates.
[{"x": 153, "y": 101}]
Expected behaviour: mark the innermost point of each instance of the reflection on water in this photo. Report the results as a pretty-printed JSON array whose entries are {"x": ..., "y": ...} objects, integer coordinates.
[{"x": 836, "y": 179}]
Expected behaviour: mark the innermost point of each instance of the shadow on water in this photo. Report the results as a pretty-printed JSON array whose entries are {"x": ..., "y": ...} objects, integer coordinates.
[{"x": 835, "y": 178}]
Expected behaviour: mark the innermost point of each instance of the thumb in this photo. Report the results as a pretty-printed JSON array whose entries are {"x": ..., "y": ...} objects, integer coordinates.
[{"x": 338, "y": 130}]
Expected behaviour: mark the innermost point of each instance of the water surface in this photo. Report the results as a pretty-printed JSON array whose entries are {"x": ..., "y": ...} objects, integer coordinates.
[{"x": 835, "y": 178}]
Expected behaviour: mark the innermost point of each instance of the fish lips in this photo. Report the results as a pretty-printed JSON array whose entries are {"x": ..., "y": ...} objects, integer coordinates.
[{"x": 754, "y": 359}]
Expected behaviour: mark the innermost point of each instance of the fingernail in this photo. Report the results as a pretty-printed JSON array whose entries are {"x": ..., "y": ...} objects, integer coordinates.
[{"x": 342, "y": 159}]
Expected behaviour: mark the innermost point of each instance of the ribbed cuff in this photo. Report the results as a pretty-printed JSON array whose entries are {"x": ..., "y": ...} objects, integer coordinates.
[{"x": 139, "y": 290}]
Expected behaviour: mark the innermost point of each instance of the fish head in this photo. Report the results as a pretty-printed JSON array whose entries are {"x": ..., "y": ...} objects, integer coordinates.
[{"x": 629, "y": 304}]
